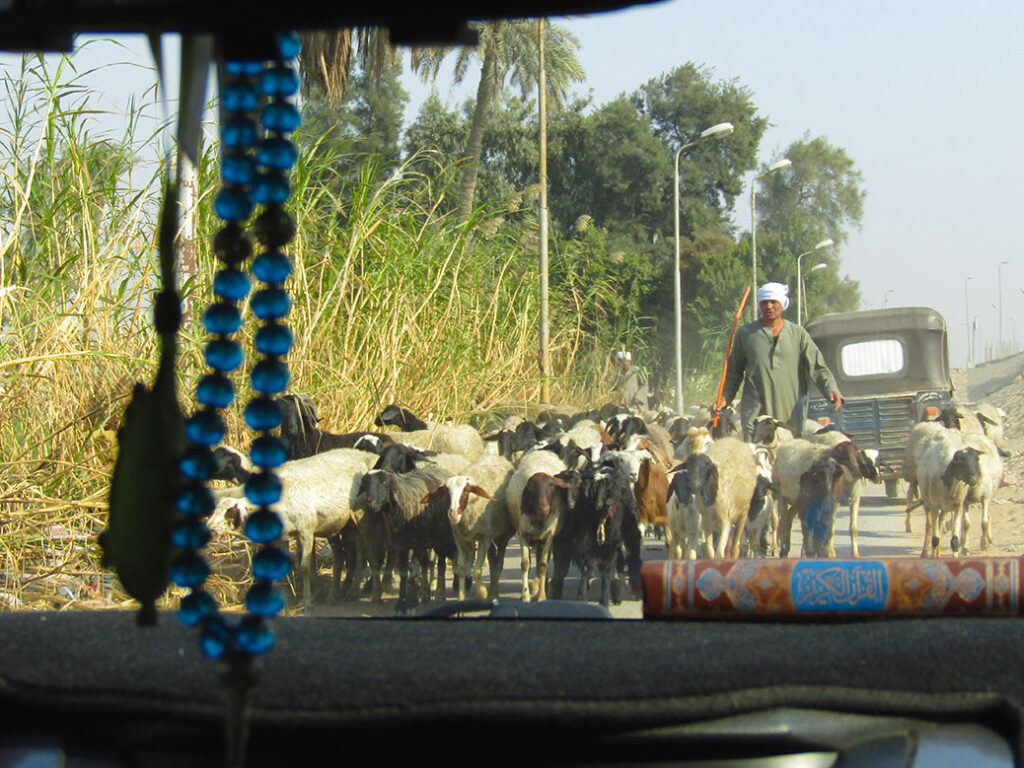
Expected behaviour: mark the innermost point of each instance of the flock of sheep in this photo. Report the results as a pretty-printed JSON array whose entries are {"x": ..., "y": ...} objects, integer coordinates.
[{"x": 582, "y": 490}]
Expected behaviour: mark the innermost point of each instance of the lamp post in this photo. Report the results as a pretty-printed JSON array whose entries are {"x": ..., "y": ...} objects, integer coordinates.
[
  {"x": 815, "y": 268},
  {"x": 885, "y": 298},
  {"x": 1000, "y": 272},
  {"x": 716, "y": 131},
  {"x": 779, "y": 166},
  {"x": 967, "y": 316},
  {"x": 799, "y": 276}
]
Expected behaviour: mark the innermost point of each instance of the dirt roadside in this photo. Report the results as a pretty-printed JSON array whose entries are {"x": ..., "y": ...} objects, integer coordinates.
[{"x": 1002, "y": 385}]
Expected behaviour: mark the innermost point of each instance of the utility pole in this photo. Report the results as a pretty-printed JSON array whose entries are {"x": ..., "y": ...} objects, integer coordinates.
[{"x": 545, "y": 356}]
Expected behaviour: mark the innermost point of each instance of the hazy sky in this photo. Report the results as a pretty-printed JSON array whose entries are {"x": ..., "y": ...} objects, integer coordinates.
[{"x": 926, "y": 97}]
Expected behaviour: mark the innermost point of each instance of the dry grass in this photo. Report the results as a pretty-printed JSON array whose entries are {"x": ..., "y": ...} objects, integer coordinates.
[{"x": 394, "y": 301}]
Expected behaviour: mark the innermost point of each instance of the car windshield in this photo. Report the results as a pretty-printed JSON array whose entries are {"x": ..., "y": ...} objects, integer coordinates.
[{"x": 485, "y": 258}]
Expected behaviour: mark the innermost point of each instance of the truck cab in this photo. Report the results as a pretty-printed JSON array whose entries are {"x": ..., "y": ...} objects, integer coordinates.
[{"x": 892, "y": 368}]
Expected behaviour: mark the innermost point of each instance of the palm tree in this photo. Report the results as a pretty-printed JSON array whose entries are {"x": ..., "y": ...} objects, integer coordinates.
[
  {"x": 326, "y": 58},
  {"x": 508, "y": 52}
]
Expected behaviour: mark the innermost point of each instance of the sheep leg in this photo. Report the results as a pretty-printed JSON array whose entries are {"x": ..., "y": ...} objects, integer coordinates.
[
  {"x": 496, "y": 562},
  {"x": 524, "y": 564},
  {"x": 854, "y": 512},
  {"x": 912, "y": 494},
  {"x": 539, "y": 587},
  {"x": 560, "y": 568},
  {"x": 304, "y": 554},
  {"x": 929, "y": 527},
  {"x": 986, "y": 532},
  {"x": 785, "y": 530},
  {"x": 483, "y": 548},
  {"x": 963, "y": 527}
]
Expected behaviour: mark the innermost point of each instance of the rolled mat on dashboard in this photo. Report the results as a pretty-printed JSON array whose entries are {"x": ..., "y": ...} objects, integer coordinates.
[{"x": 794, "y": 588}]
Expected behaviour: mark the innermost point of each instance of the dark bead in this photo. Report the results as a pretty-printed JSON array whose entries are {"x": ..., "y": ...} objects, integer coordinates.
[
  {"x": 195, "y": 500},
  {"x": 197, "y": 463},
  {"x": 233, "y": 204},
  {"x": 216, "y": 638},
  {"x": 268, "y": 451},
  {"x": 277, "y": 153},
  {"x": 231, "y": 284},
  {"x": 270, "y": 377},
  {"x": 224, "y": 354},
  {"x": 215, "y": 390},
  {"x": 274, "y": 340},
  {"x": 264, "y": 599},
  {"x": 263, "y": 488},
  {"x": 205, "y": 427},
  {"x": 189, "y": 570},
  {"x": 222, "y": 318},
  {"x": 254, "y": 636},
  {"x": 238, "y": 169},
  {"x": 289, "y": 45},
  {"x": 271, "y": 563},
  {"x": 262, "y": 414},
  {"x": 190, "y": 534},
  {"x": 270, "y": 303},
  {"x": 195, "y": 607},
  {"x": 280, "y": 116},
  {"x": 270, "y": 188},
  {"x": 264, "y": 527},
  {"x": 232, "y": 244},
  {"x": 274, "y": 227}
]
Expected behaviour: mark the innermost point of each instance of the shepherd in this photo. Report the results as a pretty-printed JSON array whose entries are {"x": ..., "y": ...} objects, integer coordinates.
[
  {"x": 775, "y": 361},
  {"x": 631, "y": 382}
]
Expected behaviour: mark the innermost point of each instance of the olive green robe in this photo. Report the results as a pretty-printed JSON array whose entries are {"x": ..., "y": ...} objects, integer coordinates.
[{"x": 775, "y": 373}]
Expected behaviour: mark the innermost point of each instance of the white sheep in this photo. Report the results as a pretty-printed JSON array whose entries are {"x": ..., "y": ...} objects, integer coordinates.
[
  {"x": 317, "y": 500},
  {"x": 991, "y": 469},
  {"x": 856, "y": 479},
  {"x": 461, "y": 439},
  {"x": 534, "y": 530},
  {"x": 917, "y": 442},
  {"x": 945, "y": 474},
  {"x": 792, "y": 460},
  {"x": 723, "y": 495},
  {"x": 478, "y": 517}
]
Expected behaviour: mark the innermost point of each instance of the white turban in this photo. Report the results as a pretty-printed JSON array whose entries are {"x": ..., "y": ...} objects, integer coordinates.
[
  {"x": 622, "y": 355},
  {"x": 774, "y": 292}
]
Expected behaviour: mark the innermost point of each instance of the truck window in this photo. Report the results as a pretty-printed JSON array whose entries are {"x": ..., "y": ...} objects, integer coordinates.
[{"x": 872, "y": 358}]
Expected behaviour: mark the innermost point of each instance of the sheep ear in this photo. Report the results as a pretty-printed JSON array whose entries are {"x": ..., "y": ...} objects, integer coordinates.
[
  {"x": 985, "y": 419},
  {"x": 709, "y": 492},
  {"x": 472, "y": 488},
  {"x": 434, "y": 494}
]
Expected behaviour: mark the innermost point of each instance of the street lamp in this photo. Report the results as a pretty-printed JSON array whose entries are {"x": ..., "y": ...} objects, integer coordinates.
[
  {"x": 885, "y": 298},
  {"x": 779, "y": 166},
  {"x": 967, "y": 315},
  {"x": 716, "y": 131},
  {"x": 799, "y": 275},
  {"x": 1000, "y": 271},
  {"x": 815, "y": 268}
]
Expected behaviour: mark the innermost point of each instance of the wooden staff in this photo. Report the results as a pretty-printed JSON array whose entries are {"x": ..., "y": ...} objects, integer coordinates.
[{"x": 728, "y": 351}]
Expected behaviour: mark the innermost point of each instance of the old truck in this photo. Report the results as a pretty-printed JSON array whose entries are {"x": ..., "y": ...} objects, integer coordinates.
[{"x": 892, "y": 367}]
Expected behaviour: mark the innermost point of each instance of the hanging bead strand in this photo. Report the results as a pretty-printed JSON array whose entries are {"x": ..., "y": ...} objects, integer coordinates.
[
  {"x": 271, "y": 304},
  {"x": 215, "y": 392}
]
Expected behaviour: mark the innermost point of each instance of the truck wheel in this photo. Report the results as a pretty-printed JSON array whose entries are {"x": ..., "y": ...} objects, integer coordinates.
[{"x": 892, "y": 488}]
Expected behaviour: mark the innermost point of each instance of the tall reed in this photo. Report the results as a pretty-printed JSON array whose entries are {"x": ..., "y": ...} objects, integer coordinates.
[{"x": 394, "y": 300}]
